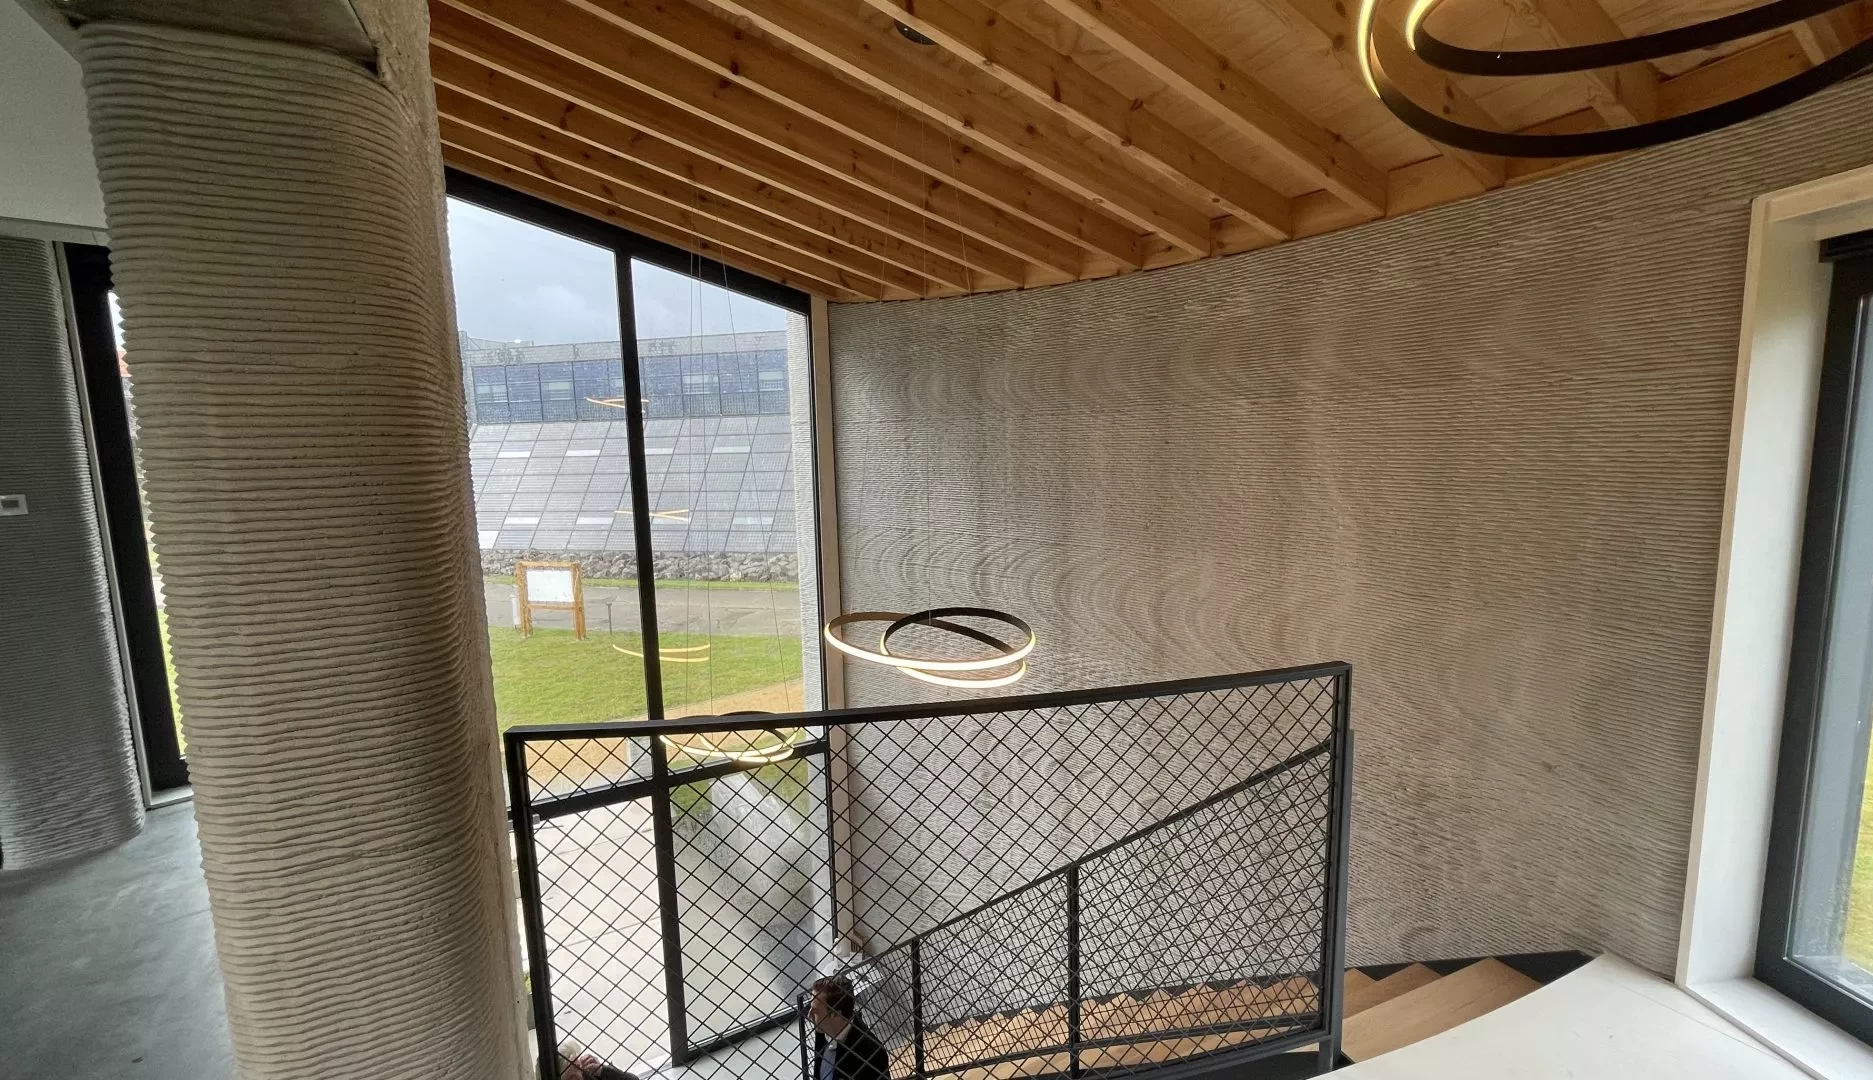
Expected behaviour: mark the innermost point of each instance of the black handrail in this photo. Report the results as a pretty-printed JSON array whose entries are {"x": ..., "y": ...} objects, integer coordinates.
[{"x": 872, "y": 714}]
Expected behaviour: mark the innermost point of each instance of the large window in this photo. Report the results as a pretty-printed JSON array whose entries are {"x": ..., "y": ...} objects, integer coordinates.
[
  {"x": 108, "y": 384},
  {"x": 1816, "y": 940},
  {"x": 674, "y": 449}
]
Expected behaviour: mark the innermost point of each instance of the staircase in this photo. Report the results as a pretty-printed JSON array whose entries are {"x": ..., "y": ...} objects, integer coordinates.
[
  {"x": 1385, "y": 1008},
  {"x": 1416, "y": 1002}
]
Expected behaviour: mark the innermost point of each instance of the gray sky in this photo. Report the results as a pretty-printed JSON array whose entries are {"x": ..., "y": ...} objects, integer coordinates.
[{"x": 515, "y": 281}]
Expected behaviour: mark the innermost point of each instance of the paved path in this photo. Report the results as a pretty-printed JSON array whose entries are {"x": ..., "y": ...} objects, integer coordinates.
[{"x": 754, "y": 612}]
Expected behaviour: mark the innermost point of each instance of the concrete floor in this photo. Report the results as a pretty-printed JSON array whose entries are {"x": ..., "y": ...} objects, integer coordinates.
[{"x": 107, "y": 964}]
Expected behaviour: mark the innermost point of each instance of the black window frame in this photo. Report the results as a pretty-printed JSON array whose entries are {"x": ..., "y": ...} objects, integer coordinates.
[
  {"x": 89, "y": 272},
  {"x": 1806, "y": 831}
]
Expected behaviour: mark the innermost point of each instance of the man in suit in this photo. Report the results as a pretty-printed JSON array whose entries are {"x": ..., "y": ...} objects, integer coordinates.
[{"x": 843, "y": 1048}]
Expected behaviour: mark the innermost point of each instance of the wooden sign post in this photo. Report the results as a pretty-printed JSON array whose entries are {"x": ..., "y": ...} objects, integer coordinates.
[{"x": 549, "y": 587}]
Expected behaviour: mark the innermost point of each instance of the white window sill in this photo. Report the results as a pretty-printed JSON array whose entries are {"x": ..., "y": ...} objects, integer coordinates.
[{"x": 1817, "y": 1047}]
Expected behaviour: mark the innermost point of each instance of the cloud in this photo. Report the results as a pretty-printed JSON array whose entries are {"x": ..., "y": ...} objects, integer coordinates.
[{"x": 519, "y": 282}]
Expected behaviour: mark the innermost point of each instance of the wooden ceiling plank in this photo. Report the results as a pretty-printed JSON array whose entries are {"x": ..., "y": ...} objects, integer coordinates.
[
  {"x": 1332, "y": 25},
  {"x": 699, "y": 228},
  {"x": 1828, "y": 33},
  {"x": 834, "y": 33},
  {"x": 571, "y": 199},
  {"x": 712, "y": 43},
  {"x": 464, "y": 113},
  {"x": 458, "y": 73},
  {"x": 1150, "y": 37},
  {"x": 1623, "y": 95},
  {"x": 976, "y": 32},
  {"x": 548, "y": 45},
  {"x": 1742, "y": 72}
]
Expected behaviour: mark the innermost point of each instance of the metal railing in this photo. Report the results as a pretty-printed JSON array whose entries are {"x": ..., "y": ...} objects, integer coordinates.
[{"x": 1096, "y": 882}]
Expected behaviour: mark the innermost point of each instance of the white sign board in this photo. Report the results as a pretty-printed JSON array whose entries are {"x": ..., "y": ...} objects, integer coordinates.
[{"x": 549, "y": 585}]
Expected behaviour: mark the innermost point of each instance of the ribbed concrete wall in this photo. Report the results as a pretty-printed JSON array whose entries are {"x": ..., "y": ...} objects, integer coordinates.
[
  {"x": 1478, "y": 451},
  {"x": 276, "y": 216},
  {"x": 68, "y": 779}
]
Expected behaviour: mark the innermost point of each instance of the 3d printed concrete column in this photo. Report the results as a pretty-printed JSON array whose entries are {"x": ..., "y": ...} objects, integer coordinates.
[
  {"x": 68, "y": 779},
  {"x": 276, "y": 221}
]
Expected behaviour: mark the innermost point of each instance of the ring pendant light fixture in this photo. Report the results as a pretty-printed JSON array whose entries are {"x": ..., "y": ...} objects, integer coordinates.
[
  {"x": 941, "y": 672},
  {"x": 1442, "y": 55},
  {"x": 978, "y": 673}
]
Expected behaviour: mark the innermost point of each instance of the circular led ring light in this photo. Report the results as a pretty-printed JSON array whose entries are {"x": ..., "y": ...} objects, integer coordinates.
[
  {"x": 929, "y": 619},
  {"x": 766, "y": 755},
  {"x": 880, "y": 656},
  {"x": 1451, "y": 58}
]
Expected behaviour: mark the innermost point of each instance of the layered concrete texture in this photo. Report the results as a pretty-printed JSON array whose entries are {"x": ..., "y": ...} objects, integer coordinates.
[
  {"x": 1479, "y": 452},
  {"x": 68, "y": 779},
  {"x": 276, "y": 219}
]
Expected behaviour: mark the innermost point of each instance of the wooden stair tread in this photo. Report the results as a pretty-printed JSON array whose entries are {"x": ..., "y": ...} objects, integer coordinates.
[
  {"x": 1379, "y": 991},
  {"x": 1432, "y": 1007}
]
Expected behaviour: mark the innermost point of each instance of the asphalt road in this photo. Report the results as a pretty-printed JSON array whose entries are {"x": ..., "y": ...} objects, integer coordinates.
[{"x": 752, "y": 612}]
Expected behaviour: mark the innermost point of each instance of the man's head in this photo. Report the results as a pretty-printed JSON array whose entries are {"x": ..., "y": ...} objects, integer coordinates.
[{"x": 834, "y": 1004}]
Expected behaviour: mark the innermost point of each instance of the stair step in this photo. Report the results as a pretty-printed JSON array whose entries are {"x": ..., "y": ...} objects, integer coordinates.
[
  {"x": 1434, "y": 1006},
  {"x": 1380, "y": 991}
]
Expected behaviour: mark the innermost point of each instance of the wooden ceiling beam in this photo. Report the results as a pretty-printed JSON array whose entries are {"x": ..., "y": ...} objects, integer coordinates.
[
  {"x": 541, "y": 188},
  {"x": 835, "y": 33},
  {"x": 1150, "y": 37},
  {"x": 698, "y": 227},
  {"x": 1763, "y": 64},
  {"x": 1331, "y": 25},
  {"x": 581, "y": 56},
  {"x": 1830, "y": 32},
  {"x": 977, "y": 33},
  {"x": 551, "y": 149},
  {"x": 457, "y": 73},
  {"x": 1623, "y": 95}
]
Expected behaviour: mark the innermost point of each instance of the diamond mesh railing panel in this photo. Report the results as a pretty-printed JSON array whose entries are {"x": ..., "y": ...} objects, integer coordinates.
[
  {"x": 1006, "y": 962},
  {"x": 944, "y": 817},
  {"x": 573, "y": 766},
  {"x": 1104, "y": 881},
  {"x": 752, "y": 894},
  {"x": 602, "y": 925}
]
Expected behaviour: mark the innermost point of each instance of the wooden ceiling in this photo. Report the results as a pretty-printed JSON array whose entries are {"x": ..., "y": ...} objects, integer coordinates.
[{"x": 1034, "y": 141}]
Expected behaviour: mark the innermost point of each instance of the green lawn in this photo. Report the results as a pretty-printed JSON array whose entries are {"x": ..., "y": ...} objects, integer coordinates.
[
  {"x": 1859, "y": 943},
  {"x": 554, "y": 678},
  {"x": 662, "y": 583},
  {"x": 169, "y": 664}
]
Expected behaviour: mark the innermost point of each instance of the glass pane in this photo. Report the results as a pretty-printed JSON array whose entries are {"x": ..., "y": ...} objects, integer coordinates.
[
  {"x": 1858, "y": 942},
  {"x": 1831, "y": 929},
  {"x": 136, "y": 452},
  {"x": 543, "y": 373},
  {"x": 728, "y": 429}
]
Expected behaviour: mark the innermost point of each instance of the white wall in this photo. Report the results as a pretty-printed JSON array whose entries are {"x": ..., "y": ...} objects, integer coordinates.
[{"x": 46, "y": 171}]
